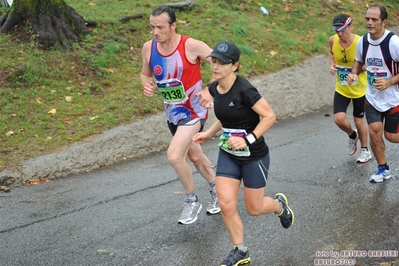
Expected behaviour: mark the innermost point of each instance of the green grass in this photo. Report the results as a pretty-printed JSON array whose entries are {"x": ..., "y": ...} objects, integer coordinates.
[{"x": 102, "y": 75}]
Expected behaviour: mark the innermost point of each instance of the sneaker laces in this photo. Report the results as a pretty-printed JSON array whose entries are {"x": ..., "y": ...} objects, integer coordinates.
[
  {"x": 235, "y": 255},
  {"x": 381, "y": 170},
  {"x": 188, "y": 207}
]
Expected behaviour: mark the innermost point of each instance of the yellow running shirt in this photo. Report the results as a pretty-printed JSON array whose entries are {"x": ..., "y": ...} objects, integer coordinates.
[{"x": 344, "y": 59}]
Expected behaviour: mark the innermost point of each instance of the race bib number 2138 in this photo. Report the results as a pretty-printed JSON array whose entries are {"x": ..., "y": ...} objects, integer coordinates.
[{"x": 172, "y": 91}]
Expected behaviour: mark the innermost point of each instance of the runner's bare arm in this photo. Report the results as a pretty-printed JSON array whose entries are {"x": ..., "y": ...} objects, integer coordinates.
[
  {"x": 333, "y": 68},
  {"x": 268, "y": 117},
  {"x": 198, "y": 50},
  {"x": 357, "y": 68},
  {"x": 146, "y": 77}
]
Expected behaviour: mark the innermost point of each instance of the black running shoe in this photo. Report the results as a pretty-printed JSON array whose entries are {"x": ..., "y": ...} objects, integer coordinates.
[
  {"x": 236, "y": 257},
  {"x": 286, "y": 215}
]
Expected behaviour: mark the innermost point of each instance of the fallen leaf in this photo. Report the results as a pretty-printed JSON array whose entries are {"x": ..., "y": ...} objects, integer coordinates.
[
  {"x": 38, "y": 101},
  {"x": 68, "y": 88},
  {"x": 267, "y": 29},
  {"x": 69, "y": 99},
  {"x": 9, "y": 133},
  {"x": 273, "y": 53},
  {"x": 52, "y": 112},
  {"x": 32, "y": 182},
  {"x": 94, "y": 117},
  {"x": 92, "y": 4},
  {"x": 110, "y": 70},
  {"x": 43, "y": 180},
  {"x": 177, "y": 192},
  {"x": 101, "y": 250}
]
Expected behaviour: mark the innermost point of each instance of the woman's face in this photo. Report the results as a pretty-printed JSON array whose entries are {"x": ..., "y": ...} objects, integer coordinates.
[{"x": 222, "y": 70}]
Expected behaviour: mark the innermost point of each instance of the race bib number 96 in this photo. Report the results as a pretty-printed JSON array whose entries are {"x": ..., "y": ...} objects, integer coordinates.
[{"x": 343, "y": 73}]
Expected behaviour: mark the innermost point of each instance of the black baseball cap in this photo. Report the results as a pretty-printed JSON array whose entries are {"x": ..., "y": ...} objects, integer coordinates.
[
  {"x": 228, "y": 52},
  {"x": 341, "y": 22}
]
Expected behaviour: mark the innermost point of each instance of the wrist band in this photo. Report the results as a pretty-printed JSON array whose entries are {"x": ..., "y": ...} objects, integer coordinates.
[{"x": 250, "y": 138}]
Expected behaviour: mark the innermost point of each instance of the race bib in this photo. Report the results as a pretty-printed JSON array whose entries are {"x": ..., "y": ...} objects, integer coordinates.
[
  {"x": 343, "y": 73},
  {"x": 226, "y": 134},
  {"x": 375, "y": 73},
  {"x": 172, "y": 91}
]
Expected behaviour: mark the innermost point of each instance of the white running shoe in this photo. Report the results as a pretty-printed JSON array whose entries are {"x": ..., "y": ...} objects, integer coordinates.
[
  {"x": 352, "y": 144},
  {"x": 365, "y": 156},
  {"x": 190, "y": 212},
  {"x": 380, "y": 175}
]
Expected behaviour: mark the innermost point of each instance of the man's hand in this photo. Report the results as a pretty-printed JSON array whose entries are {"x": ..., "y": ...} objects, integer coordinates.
[
  {"x": 149, "y": 89},
  {"x": 351, "y": 78},
  {"x": 206, "y": 100},
  {"x": 333, "y": 69},
  {"x": 382, "y": 84}
]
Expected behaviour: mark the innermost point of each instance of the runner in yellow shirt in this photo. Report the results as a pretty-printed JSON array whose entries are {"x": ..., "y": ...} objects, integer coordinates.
[{"x": 342, "y": 55}]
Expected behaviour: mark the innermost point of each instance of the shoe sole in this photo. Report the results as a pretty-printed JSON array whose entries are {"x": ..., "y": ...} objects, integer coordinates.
[
  {"x": 244, "y": 261},
  {"x": 213, "y": 211},
  {"x": 241, "y": 262},
  {"x": 354, "y": 151},
  {"x": 379, "y": 181},
  {"x": 193, "y": 220},
  {"x": 286, "y": 204},
  {"x": 362, "y": 161}
]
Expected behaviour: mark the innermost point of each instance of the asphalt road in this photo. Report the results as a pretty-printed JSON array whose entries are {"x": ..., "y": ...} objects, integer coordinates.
[{"x": 127, "y": 214}]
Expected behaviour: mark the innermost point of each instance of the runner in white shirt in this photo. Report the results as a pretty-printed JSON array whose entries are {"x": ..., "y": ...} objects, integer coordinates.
[{"x": 379, "y": 53}]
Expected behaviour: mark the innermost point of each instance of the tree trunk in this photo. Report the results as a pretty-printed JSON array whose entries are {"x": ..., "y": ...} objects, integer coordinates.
[{"x": 51, "y": 22}]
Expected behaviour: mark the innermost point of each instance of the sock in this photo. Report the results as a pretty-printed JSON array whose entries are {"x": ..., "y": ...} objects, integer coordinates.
[
  {"x": 364, "y": 148},
  {"x": 353, "y": 135},
  {"x": 281, "y": 208},
  {"x": 191, "y": 197},
  {"x": 213, "y": 186},
  {"x": 384, "y": 165},
  {"x": 241, "y": 247}
]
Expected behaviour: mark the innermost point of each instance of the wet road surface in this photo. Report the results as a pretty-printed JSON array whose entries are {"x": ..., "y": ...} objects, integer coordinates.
[{"x": 127, "y": 214}]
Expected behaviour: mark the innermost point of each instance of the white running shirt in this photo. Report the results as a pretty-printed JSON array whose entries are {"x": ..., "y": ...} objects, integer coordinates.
[{"x": 376, "y": 67}]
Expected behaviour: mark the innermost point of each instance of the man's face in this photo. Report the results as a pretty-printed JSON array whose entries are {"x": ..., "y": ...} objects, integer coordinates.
[
  {"x": 161, "y": 28},
  {"x": 375, "y": 26},
  {"x": 345, "y": 35}
]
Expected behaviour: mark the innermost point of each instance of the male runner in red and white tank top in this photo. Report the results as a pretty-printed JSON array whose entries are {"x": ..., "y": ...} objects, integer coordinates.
[{"x": 174, "y": 61}]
